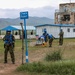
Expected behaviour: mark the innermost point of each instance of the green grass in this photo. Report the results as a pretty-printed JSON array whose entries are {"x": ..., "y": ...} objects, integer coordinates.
[
  {"x": 49, "y": 68},
  {"x": 1, "y": 46},
  {"x": 66, "y": 66},
  {"x": 54, "y": 56}
]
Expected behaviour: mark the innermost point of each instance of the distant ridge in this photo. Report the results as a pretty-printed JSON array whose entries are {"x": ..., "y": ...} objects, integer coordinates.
[{"x": 33, "y": 21}]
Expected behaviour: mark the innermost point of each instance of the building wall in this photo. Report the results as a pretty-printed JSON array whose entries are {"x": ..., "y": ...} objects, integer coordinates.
[
  {"x": 64, "y": 9},
  {"x": 54, "y": 30},
  {"x": 50, "y": 30},
  {"x": 69, "y": 32},
  {"x": 18, "y": 36},
  {"x": 39, "y": 30}
]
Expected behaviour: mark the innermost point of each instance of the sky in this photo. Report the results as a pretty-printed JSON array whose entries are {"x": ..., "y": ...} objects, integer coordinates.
[
  {"x": 8, "y": 7},
  {"x": 17, "y": 4}
]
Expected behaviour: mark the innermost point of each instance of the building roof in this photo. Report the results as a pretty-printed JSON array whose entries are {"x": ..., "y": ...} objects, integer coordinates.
[
  {"x": 58, "y": 25},
  {"x": 27, "y": 27},
  {"x": 11, "y": 27}
]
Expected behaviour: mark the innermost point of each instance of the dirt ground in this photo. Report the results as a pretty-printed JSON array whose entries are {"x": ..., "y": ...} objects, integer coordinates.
[
  {"x": 7, "y": 69},
  {"x": 34, "y": 56}
]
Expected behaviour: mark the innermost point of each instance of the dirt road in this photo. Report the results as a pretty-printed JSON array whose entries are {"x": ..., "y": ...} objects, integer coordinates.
[{"x": 7, "y": 69}]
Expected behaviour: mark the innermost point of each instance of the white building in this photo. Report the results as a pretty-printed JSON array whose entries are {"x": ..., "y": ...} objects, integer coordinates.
[
  {"x": 18, "y": 29},
  {"x": 54, "y": 29}
]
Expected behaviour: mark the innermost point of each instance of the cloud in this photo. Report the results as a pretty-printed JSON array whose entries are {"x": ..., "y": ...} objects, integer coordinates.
[
  {"x": 23, "y": 3},
  {"x": 43, "y": 12},
  {"x": 38, "y": 12},
  {"x": 17, "y": 4}
]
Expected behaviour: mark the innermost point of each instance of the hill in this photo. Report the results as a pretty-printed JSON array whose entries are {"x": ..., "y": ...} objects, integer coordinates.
[{"x": 31, "y": 21}]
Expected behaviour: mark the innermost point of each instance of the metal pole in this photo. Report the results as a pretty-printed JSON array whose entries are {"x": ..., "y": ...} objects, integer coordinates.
[
  {"x": 22, "y": 43},
  {"x": 26, "y": 41}
]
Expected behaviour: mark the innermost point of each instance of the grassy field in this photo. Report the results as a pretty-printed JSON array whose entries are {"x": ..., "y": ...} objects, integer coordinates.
[{"x": 37, "y": 55}]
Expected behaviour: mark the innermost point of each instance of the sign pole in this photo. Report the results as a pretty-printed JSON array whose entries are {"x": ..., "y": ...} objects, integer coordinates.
[
  {"x": 26, "y": 40},
  {"x": 24, "y": 15}
]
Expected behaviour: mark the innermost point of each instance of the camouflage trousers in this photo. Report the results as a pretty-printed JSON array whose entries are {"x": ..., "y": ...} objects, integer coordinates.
[
  {"x": 50, "y": 42},
  {"x": 60, "y": 41},
  {"x": 10, "y": 49}
]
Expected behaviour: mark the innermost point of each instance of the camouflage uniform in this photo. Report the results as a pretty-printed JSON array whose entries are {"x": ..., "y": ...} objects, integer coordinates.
[
  {"x": 9, "y": 47},
  {"x": 61, "y": 37},
  {"x": 50, "y": 40}
]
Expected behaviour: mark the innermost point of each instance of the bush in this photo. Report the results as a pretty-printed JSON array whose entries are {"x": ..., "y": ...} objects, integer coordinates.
[
  {"x": 32, "y": 67},
  {"x": 53, "y": 68},
  {"x": 56, "y": 55}
]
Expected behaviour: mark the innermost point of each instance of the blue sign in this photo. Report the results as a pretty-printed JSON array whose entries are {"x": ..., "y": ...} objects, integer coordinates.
[{"x": 24, "y": 15}]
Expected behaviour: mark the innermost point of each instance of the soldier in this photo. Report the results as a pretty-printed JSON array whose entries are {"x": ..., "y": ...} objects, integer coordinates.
[
  {"x": 32, "y": 32},
  {"x": 50, "y": 37},
  {"x": 41, "y": 38},
  {"x": 9, "y": 41},
  {"x": 45, "y": 34},
  {"x": 61, "y": 37}
]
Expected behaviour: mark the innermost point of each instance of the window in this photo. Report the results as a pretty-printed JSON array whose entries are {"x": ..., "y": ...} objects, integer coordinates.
[
  {"x": 66, "y": 17},
  {"x": 73, "y": 30},
  {"x": 68, "y": 30}
]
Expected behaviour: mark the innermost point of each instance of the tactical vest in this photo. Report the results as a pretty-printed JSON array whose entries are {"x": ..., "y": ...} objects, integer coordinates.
[
  {"x": 9, "y": 39},
  {"x": 50, "y": 36}
]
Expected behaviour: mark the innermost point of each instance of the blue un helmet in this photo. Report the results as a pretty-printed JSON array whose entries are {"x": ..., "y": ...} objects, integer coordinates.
[
  {"x": 45, "y": 31},
  {"x": 60, "y": 30},
  {"x": 8, "y": 31}
]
